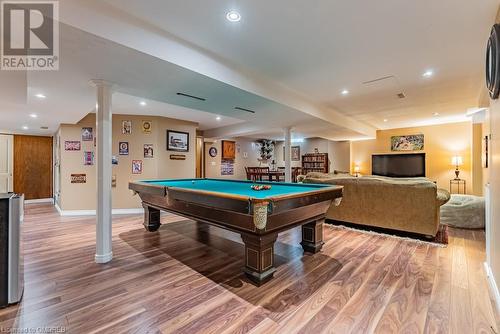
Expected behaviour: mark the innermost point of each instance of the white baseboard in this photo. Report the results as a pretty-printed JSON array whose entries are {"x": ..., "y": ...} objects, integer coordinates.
[
  {"x": 41, "y": 200},
  {"x": 93, "y": 212},
  {"x": 493, "y": 285}
]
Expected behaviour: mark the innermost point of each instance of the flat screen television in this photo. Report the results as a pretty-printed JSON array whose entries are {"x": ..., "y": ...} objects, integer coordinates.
[{"x": 399, "y": 165}]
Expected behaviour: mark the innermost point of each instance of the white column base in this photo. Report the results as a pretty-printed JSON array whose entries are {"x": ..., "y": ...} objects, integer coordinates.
[{"x": 105, "y": 258}]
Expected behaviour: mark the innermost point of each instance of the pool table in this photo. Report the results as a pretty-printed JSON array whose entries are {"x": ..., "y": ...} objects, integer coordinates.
[{"x": 258, "y": 216}]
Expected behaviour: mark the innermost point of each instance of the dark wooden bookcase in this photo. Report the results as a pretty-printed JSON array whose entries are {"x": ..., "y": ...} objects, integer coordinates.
[{"x": 315, "y": 162}]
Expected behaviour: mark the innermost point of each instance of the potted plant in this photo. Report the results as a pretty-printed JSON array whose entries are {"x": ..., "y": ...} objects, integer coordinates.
[{"x": 266, "y": 150}]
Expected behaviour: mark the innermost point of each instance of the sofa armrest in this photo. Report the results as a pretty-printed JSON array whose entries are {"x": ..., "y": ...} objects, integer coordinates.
[{"x": 442, "y": 197}]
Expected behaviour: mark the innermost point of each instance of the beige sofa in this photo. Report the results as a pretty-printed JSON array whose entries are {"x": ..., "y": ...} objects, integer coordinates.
[{"x": 410, "y": 205}]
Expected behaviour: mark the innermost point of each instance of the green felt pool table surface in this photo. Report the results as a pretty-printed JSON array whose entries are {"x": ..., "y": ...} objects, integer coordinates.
[{"x": 241, "y": 188}]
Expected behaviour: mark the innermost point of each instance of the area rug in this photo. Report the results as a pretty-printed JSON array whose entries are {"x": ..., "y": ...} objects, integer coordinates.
[{"x": 440, "y": 240}]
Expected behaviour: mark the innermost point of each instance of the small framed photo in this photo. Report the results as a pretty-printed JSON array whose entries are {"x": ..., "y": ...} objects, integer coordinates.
[
  {"x": 148, "y": 151},
  {"x": 147, "y": 127},
  {"x": 136, "y": 166},
  {"x": 87, "y": 134},
  {"x": 88, "y": 158},
  {"x": 72, "y": 145},
  {"x": 127, "y": 127},
  {"x": 177, "y": 141},
  {"x": 295, "y": 153},
  {"x": 114, "y": 160},
  {"x": 123, "y": 148}
]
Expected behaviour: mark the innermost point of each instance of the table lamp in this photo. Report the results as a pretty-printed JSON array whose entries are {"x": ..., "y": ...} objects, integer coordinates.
[
  {"x": 457, "y": 161},
  {"x": 356, "y": 170}
]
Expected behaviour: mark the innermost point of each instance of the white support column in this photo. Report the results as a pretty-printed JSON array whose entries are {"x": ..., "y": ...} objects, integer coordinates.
[
  {"x": 288, "y": 154},
  {"x": 104, "y": 252}
]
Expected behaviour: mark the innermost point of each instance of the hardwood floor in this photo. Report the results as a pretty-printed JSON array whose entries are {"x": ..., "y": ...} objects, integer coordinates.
[{"x": 187, "y": 279}]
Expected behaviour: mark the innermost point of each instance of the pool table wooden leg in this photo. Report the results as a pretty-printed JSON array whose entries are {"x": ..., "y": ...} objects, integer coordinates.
[
  {"x": 312, "y": 236},
  {"x": 259, "y": 257},
  {"x": 151, "y": 218}
]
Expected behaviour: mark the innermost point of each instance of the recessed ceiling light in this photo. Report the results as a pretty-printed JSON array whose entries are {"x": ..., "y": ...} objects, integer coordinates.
[
  {"x": 428, "y": 73},
  {"x": 218, "y": 118},
  {"x": 142, "y": 103},
  {"x": 386, "y": 120},
  {"x": 344, "y": 92},
  {"x": 25, "y": 127},
  {"x": 40, "y": 96},
  {"x": 435, "y": 114},
  {"x": 33, "y": 115},
  {"x": 233, "y": 16}
]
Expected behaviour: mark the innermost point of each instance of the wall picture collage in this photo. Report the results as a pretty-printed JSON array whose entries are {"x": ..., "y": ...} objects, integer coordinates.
[{"x": 176, "y": 141}]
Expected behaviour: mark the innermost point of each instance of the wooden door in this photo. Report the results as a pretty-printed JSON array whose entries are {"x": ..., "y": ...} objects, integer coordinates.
[
  {"x": 6, "y": 163},
  {"x": 33, "y": 166}
]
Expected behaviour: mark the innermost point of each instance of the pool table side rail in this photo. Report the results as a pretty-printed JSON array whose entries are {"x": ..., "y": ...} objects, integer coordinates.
[{"x": 162, "y": 190}]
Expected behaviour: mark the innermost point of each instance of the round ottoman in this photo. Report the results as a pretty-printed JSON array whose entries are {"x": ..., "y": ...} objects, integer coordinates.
[{"x": 464, "y": 211}]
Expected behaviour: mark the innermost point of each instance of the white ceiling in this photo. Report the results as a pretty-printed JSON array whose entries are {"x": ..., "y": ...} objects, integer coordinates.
[
  {"x": 130, "y": 105},
  {"x": 136, "y": 77},
  {"x": 320, "y": 48},
  {"x": 287, "y": 59}
]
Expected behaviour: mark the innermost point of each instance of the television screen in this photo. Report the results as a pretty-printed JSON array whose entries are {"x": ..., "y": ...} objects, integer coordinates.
[{"x": 399, "y": 165}]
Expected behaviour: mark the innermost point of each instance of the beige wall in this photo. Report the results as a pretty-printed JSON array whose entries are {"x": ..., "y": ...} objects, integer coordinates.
[
  {"x": 338, "y": 152},
  {"x": 441, "y": 142},
  {"x": 83, "y": 196}
]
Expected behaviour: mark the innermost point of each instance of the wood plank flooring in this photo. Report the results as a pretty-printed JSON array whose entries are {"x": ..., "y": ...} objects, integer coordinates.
[{"x": 187, "y": 279}]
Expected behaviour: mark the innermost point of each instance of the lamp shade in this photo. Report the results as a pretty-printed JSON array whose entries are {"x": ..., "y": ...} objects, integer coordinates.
[
  {"x": 357, "y": 169},
  {"x": 457, "y": 160}
]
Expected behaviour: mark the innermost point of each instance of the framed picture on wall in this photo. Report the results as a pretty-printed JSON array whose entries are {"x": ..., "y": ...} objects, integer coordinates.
[
  {"x": 295, "y": 153},
  {"x": 72, "y": 145},
  {"x": 136, "y": 166},
  {"x": 78, "y": 178},
  {"x": 127, "y": 127},
  {"x": 177, "y": 141},
  {"x": 407, "y": 143},
  {"x": 87, "y": 134},
  {"x": 123, "y": 148},
  {"x": 228, "y": 150},
  {"x": 148, "y": 151},
  {"x": 147, "y": 127},
  {"x": 88, "y": 158}
]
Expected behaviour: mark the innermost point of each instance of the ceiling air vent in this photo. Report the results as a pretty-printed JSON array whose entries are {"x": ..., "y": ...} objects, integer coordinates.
[
  {"x": 243, "y": 109},
  {"x": 192, "y": 96},
  {"x": 401, "y": 95},
  {"x": 44, "y": 127}
]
